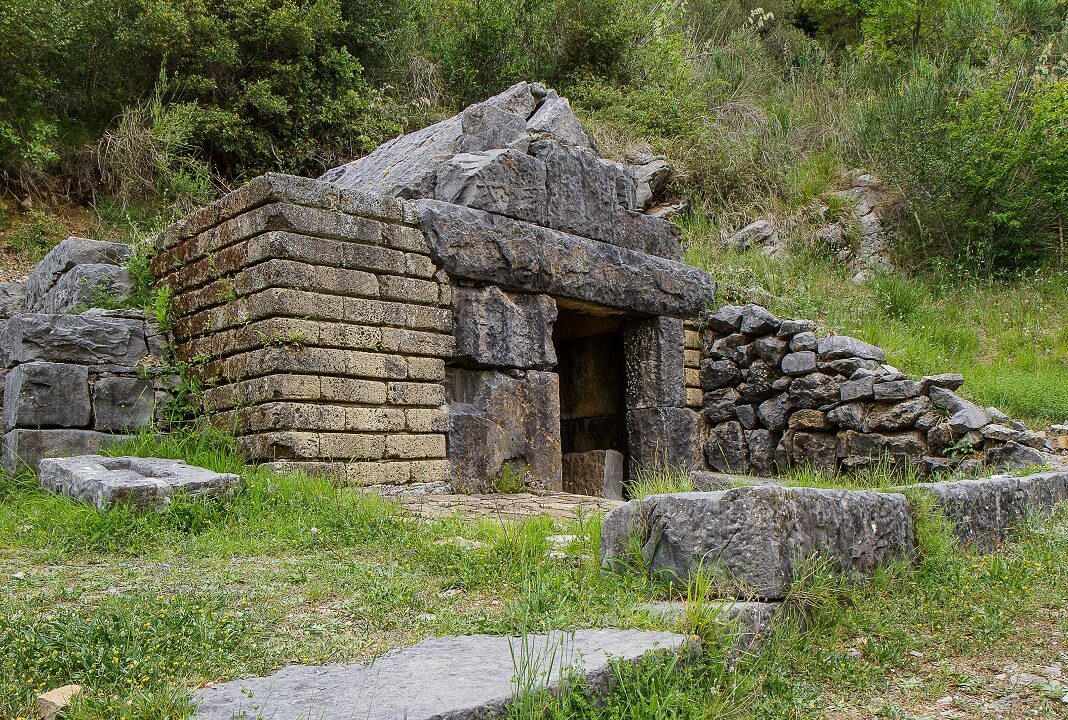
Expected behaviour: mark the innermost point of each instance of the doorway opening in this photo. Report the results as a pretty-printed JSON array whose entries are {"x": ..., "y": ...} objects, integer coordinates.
[{"x": 593, "y": 410}]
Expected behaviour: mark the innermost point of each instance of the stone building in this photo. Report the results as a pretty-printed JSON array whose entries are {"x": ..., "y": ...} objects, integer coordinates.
[{"x": 482, "y": 299}]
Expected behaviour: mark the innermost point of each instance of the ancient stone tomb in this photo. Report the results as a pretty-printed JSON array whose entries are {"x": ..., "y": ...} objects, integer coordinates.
[{"x": 480, "y": 302}]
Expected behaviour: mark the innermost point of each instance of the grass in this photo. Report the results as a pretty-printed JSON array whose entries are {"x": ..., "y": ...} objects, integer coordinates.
[
  {"x": 1008, "y": 338},
  {"x": 142, "y": 608}
]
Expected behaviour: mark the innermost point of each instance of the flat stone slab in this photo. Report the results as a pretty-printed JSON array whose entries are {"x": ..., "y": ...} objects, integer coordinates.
[
  {"x": 455, "y": 678},
  {"x": 142, "y": 483},
  {"x": 434, "y": 505},
  {"x": 757, "y": 538}
]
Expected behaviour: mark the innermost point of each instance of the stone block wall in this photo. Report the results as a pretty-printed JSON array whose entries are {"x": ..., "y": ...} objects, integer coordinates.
[
  {"x": 319, "y": 325},
  {"x": 478, "y": 298},
  {"x": 75, "y": 382},
  {"x": 777, "y": 395}
]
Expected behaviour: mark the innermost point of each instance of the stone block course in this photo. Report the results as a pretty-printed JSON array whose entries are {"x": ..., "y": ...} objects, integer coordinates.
[{"x": 47, "y": 394}]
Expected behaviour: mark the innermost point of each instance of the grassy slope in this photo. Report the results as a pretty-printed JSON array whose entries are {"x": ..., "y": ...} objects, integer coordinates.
[
  {"x": 1008, "y": 339},
  {"x": 140, "y": 609}
]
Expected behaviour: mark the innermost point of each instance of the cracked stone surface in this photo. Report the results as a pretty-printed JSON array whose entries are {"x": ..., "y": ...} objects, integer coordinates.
[{"x": 455, "y": 677}]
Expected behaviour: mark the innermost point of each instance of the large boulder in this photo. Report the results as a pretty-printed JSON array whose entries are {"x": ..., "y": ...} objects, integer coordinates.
[{"x": 759, "y": 537}]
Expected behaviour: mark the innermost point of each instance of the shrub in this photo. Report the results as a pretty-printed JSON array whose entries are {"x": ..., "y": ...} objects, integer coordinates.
[{"x": 263, "y": 84}]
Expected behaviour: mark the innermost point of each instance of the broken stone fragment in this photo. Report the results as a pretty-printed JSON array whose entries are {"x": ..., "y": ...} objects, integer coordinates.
[
  {"x": 12, "y": 299},
  {"x": 815, "y": 390},
  {"x": 716, "y": 374},
  {"x": 759, "y": 233},
  {"x": 964, "y": 416},
  {"x": 648, "y": 178},
  {"x": 799, "y": 363},
  {"x": 87, "y": 286},
  {"x": 896, "y": 390},
  {"x": 802, "y": 342},
  {"x": 727, "y": 449},
  {"x": 555, "y": 119},
  {"x": 63, "y": 258},
  {"x": 506, "y": 182},
  {"x": 1014, "y": 456},
  {"x": 726, "y": 320},
  {"x": 838, "y": 347},
  {"x": 949, "y": 381},
  {"x": 49, "y": 704},
  {"x": 757, "y": 321}
]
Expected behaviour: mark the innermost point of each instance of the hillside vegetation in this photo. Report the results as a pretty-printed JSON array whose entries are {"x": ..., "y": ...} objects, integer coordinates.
[{"x": 116, "y": 116}]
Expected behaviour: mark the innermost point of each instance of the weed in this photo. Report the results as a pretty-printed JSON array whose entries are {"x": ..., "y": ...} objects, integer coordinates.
[{"x": 511, "y": 479}]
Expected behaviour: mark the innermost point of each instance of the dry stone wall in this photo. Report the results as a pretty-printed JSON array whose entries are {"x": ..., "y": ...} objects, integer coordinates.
[
  {"x": 72, "y": 383},
  {"x": 777, "y": 395}
]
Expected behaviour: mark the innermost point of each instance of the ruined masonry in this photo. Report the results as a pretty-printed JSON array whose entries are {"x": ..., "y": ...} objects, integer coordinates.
[
  {"x": 76, "y": 378},
  {"x": 488, "y": 300},
  {"x": 481, "y": 298},
  {"x": 484, "y": 304}
]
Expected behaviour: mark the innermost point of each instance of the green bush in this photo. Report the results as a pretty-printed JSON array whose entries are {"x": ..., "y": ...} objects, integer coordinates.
[{"x": 270, "y": 83}]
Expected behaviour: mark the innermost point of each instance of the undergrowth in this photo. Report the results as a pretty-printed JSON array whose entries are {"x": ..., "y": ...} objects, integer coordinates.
[{"x": 142, "y": 608}]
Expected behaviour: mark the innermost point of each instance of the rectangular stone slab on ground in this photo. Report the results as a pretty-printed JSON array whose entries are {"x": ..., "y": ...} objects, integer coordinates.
[
  {"x": 759, "y": 537},
  {"x": 458, "y": 678},
  {"x": 141, "y": 483}
]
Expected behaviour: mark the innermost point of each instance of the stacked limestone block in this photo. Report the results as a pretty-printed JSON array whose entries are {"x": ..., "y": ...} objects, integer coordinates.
[
  {"x": 777, "y": 395},
  {"x": 526, "y": 218},
  {"x": 75, "y": 382},
  {"x": 319, "y": 324}
]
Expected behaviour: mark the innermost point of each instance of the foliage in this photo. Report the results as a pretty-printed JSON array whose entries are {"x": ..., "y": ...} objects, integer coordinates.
[{"x": 258, "y": 84}]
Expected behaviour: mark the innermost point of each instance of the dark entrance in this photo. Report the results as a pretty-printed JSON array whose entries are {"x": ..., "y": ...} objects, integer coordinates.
[{"x": 593, "y": 411}]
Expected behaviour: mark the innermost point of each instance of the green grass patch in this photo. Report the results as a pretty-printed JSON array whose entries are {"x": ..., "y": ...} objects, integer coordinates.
[
  {"x": 141, "y": 609},
  {"x": 1008, "y": 338}
]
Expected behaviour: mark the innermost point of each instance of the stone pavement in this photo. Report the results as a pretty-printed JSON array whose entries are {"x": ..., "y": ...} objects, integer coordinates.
[{"x": 429, "y": 502}]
